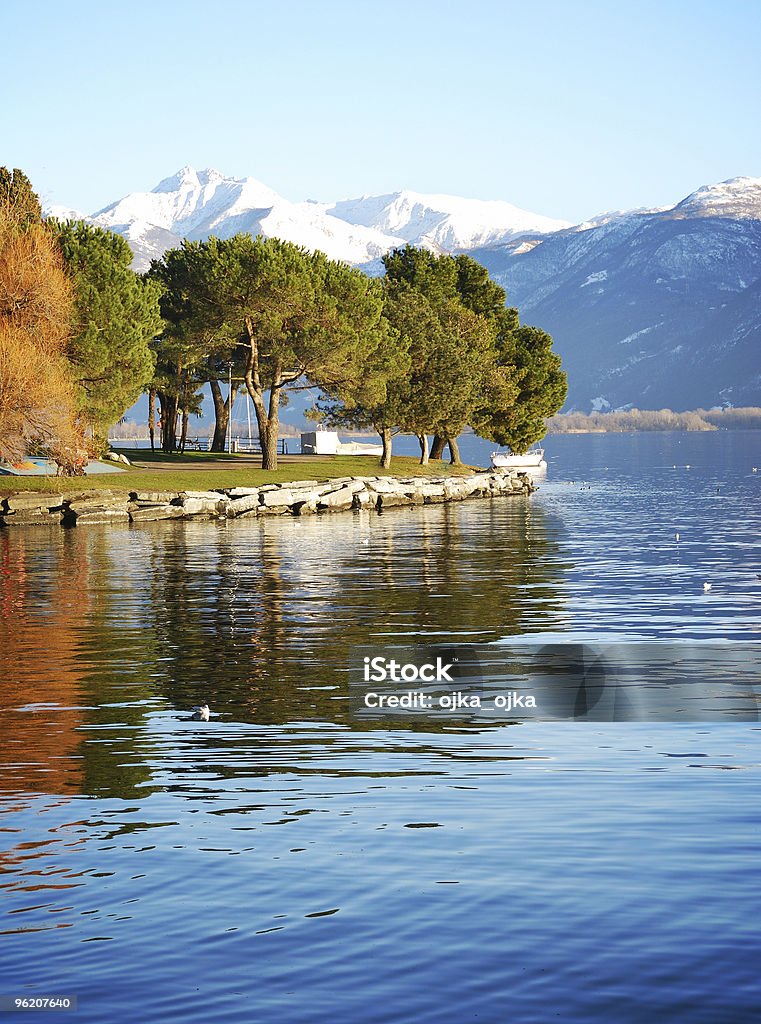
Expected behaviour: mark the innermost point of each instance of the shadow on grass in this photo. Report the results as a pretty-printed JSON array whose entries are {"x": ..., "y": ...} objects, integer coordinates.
[{"x": 204, "y": 471}]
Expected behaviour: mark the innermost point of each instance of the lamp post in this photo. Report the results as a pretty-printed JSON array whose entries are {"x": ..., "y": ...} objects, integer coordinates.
[
  {"x": 230, "y": 407},
  {"x": 230, "y": 400}
]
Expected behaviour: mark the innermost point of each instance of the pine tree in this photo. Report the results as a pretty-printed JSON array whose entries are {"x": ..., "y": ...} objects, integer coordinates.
[
  {"x": 518, "y": 382},
  {"x": 19, "y": 203},
  {"x": 451, "y": 352},
  {"x": 376, "y": 398},
  {"x": 456, "y": 369},
  {"x": 292, "y": 317},
  {"x": 116, "y": 318},
  {"x": 189, "y": 340},
  {"x": 542, "y": 388}
]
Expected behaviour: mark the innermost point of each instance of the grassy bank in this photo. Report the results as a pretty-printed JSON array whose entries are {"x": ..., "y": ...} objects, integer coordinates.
[{"x": 202, "y": 471}]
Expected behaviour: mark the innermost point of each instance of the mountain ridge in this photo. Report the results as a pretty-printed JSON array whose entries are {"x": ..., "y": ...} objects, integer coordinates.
[
  {"x": 651, "y": 310},
  {"x": 194, "y": 204},
  {"x": 653, "y": 306}
]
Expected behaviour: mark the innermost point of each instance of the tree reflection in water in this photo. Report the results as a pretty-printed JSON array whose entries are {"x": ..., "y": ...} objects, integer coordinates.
[
  {"x": 261, "y": 617},
  {"x": 104, "y": 625}
]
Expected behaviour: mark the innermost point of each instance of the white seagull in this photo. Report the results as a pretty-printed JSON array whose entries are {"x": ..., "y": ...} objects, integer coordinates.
[
  {"x": 706, "y": 587},
  {"x": 200, "y": 713}
]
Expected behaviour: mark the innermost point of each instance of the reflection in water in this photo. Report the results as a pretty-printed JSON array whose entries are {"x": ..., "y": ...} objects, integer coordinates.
[
  {"x": 252, "y": 614},
  {"x": 257, "y": 618},
  {"x": 45, "y": 599},
  {"x": 285, "y": 862}
]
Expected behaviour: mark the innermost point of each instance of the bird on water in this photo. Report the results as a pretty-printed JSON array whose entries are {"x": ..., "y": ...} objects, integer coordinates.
[
  {"x": 706, "y": 587},
  {"x": 200, "y": 713}
]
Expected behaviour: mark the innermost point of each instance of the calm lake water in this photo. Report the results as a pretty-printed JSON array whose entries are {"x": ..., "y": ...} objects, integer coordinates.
[{"x": 287, "y": 863}]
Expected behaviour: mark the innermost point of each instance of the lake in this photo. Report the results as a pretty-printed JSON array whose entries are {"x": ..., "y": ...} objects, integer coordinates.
[{"x": 288, "y": 862}]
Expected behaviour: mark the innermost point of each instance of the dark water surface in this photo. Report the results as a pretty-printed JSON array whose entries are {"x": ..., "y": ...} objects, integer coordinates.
[{"x": 287, "y": 863}]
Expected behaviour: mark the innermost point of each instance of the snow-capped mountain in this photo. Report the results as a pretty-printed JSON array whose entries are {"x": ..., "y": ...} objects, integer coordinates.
[
  {"x": 443, "y": 223},
  {"x": 647, "y": 307},
  {"x": 650, "y": 308},
  {"x": 64, "y": 213},
  {"x": 195, "y": 204},
  {"x": 738, "y": 198}
]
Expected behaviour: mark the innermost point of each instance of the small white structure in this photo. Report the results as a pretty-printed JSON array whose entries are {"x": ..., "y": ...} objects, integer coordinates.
[
  {"x": 533, "y": 460},
  {"x": 326, "y": 442},
  {"x": 357, "y": 448},
  {"x": 319, "y": 442}
]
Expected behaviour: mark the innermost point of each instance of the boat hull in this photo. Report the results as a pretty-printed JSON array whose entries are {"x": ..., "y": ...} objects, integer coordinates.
[{"x": 531, "y": 460}]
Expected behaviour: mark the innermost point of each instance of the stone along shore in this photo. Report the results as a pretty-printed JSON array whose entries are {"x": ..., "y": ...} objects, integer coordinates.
[{"x": 300, "y": 498}]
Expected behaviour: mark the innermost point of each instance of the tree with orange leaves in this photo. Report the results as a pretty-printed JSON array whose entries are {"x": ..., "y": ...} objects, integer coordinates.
[{"x": 37, "y": 398}]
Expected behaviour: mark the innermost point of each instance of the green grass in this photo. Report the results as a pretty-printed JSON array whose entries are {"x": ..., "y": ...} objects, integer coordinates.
[
  {"x": 187, "y": 473},
  {"x": 191, "y": 460}
]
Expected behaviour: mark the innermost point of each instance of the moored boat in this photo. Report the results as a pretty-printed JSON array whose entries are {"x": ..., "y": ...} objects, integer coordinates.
[{"x": 533, "y": 460}]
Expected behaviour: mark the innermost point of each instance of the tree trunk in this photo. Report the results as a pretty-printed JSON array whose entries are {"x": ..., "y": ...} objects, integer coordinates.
[
  {"x": 437, "y": 446},
  {"x": 169, "y": 422},
  {"x": 268, "y": 439},
  {"x": 152, "y": 417},
  {"x": 221, "y": 417},
  {"x": 454, "y": 452},
  {"x": 423, "y": 440},
  {"x": 268, "y": 420},
  {"x": 184, "y": 432},
  {"x": 162, "y": 420},
  {"x": 387, "y": 441}
]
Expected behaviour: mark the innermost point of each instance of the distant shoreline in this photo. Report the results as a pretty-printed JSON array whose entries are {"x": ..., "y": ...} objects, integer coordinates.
[
  {"x": 624, "y": 422},
  {"x": 654, "y": 420}
]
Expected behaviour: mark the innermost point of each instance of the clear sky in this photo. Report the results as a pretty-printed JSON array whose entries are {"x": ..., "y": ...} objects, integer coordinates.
[{"x": 563, "y": 108}]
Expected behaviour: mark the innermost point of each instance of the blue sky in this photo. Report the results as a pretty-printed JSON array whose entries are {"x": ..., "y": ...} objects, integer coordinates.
[{"x": 563, "y": 108}]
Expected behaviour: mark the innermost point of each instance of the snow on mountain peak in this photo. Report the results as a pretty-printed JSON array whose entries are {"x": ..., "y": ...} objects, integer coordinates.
[
  {"x": 195, "y": 204},
  {"x": 63, "y": 213},
  {"x": 736, "y": 197},
  {"x": 186, "y": 177},
  {"x": 209, "y": 174},
  {"x": 188, "y": 204},
  {"x": 443, "y": 222}
]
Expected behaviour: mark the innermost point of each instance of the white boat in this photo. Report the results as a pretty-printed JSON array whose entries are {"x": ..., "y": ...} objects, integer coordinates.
[{"x": 533, "y": 460}]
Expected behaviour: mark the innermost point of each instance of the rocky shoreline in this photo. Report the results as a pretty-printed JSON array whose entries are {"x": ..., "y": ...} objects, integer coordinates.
[{"x": 299, "y": 498}]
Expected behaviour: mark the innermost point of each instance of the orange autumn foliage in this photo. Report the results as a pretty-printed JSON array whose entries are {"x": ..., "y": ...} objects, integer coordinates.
[{"x": 36, "y": 389}]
